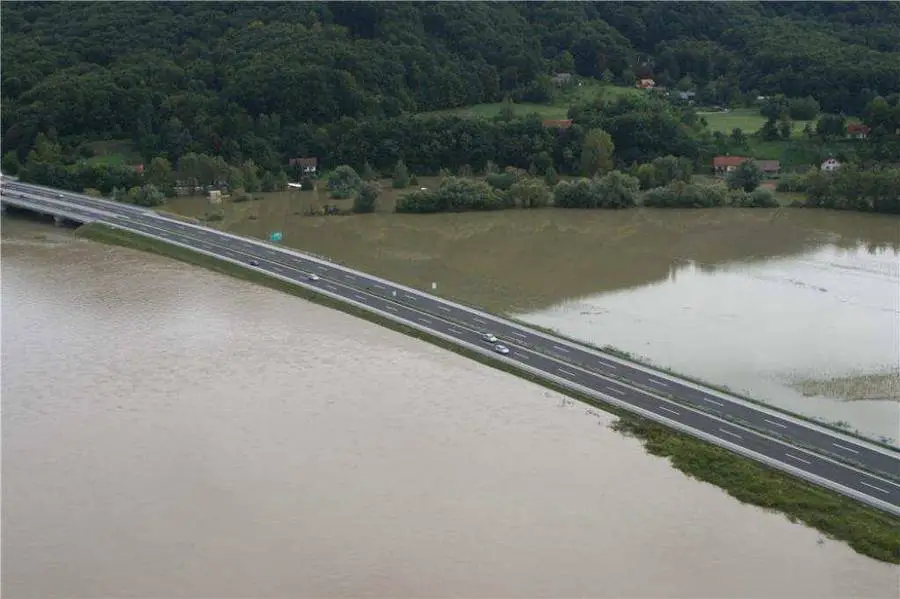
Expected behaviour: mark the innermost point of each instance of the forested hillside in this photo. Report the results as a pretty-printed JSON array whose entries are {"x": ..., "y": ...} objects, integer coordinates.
[{"x": 258, "y": 80}]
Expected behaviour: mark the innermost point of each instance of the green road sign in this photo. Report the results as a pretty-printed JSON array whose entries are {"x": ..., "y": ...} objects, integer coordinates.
[{"x": 276, "y": 236}]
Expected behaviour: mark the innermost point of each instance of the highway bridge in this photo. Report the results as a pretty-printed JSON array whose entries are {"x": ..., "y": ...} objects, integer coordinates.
[{"x": 866, "y": 471}]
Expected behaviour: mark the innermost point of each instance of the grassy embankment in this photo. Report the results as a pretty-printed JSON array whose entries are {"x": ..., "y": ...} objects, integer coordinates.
[{"x": 867, "y": 531}]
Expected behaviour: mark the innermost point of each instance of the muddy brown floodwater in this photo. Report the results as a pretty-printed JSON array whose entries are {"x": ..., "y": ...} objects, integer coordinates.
[
  {"x": 169, "y": 432},
  {"x": 799, "y": 308}
]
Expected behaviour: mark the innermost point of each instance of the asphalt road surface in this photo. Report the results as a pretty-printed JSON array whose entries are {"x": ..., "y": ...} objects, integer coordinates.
[{"x": 870, "y": 473}]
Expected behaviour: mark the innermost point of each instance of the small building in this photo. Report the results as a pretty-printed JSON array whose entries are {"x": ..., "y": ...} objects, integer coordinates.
[
  {"x": 645, "y": 84},
  {"x": 307, "y": 165},
  {"x": 857, "y": 131},
  {"x": 726, "y": 164},
  {"x": 557, "y": 124},
  {"x": 562, "y": 79},
  {"x": 687, "y": 96},
  {"x": 830, "y": 165},
  {"x": 215, "y": 196},
  {"x": 768, "y": 167}
]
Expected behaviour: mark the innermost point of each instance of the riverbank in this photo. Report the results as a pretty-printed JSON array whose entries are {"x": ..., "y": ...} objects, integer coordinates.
[{"x": 867, "y": 531}]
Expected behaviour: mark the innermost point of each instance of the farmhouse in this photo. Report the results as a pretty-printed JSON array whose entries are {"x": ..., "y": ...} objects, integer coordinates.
[
  {"x": 857, "y": 131},
  {"x": 726, "y": 164},
  {"x": 307, "y": 165},
  {"x": 768, "y": 167},
  {"x": 645, "y": 84},
  {"x": 561, "y": 79}
]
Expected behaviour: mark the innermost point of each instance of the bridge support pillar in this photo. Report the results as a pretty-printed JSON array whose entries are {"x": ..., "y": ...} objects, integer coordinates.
[{"x": 58, "y": 221}]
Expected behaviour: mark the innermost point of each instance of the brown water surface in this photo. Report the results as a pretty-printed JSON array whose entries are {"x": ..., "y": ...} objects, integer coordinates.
[{"x": 168, "y": 432}]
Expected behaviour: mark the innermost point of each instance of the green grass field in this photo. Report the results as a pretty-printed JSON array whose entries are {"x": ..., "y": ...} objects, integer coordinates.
[
  {"x": 747, "y": 120},
  {"x": 558, "y": 109}
]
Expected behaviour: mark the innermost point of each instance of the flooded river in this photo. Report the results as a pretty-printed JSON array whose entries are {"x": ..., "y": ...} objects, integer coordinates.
[
  {"x": 800, "y": 308},
  {"x": 169, "y": 432}
]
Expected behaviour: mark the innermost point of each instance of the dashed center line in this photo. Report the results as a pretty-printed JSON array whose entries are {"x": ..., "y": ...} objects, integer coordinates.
[
  {"x": 360, "y": 298},
  {"x": 615, "y": 390},
  {"x": 608, "y": 365},
  {"x": 445, "y": 309},
  {"x": 391, "y": 308},
  {"x": 332, "y": 287},
  {"x": 658, "y": 382},
  {"x": 347, "y": 276},
  {"x": 519, "y": 335},
  {"x": 425, "y": 320},
  {"x": 478, "y": 320},
  {"x": 669, "y": 410},
  {"x": 735, "y": 435},
  {"x": 839, "y": 446},
  {"x": 455, "y": 331},
  {"x": 564, "y": 371},
  {"x": 793, "y": 457},
  {"x": 562, "y": 349},
  {"x": 408, "y": 296},
  {"x": 521, "y": 356},
  {"x": 874, "y": 487},
  {"x": 773, "y": 423},
  {"x": 712, "y": 401},
  {"x": 379, "y": 286}
]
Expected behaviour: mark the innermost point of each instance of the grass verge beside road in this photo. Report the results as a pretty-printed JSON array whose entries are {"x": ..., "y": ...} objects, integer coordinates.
[{"x": 866, "y": 530}]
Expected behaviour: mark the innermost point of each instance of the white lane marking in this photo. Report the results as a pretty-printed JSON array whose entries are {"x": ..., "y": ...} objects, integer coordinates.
[
  {"x": 839, "y": 446},
  {"x": 773, "y": 423},
  {"x": 562, "y": 349},
  {"x": 564, "y": 371},
  {"x": 348, "y": 276},
  {"x": 874, "y": 487},
  {"x": 521, "y": 356},
  {"x": 322, "y": 268},
  {"x": 615, "y": 390},
  {"x": 669, "y": 410},
  {"x": 519, "y": 335},
  {"x": 443, "y": 308},
  {"x": 425, "y": 320},
  {"x": 608, "y": 365},
  {"x": 379, "y": 286},
  {"x": 455, "y": 331},
  {"x": 408, "y": 296},
  {"x": 391, "y": 308},
  {"x": 722, "y": 430},
  {"x": 658, "y": 382},
  {"x": 332, "y": 287},
  {"x": 360, "y": 298},
  {"x": 478, "y": 320},
  {"x": 712, "y": 401},
  {"x": 793, "y": 457}
]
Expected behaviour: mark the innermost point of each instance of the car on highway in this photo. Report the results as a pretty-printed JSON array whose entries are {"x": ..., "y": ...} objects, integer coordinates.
[
  {"x": 501, "y": 349},
  {"x": 313, "y": 277},
  {"x": 254, "y": 262},
  {"x": 489, "y": 337}
]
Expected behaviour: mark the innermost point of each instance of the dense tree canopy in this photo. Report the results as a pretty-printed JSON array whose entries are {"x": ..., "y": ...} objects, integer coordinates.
[{"x": 260, "y": 80}]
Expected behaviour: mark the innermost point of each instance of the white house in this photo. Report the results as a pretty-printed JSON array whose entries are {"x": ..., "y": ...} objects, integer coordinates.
[{"x": 830, "y": 165}]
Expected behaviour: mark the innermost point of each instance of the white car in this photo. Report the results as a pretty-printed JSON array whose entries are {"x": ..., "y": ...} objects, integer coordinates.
[
  {"x": 501, "y": 349},
  {"x": 489, "y": 337},
  {"x": 313, "y": 277}
]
